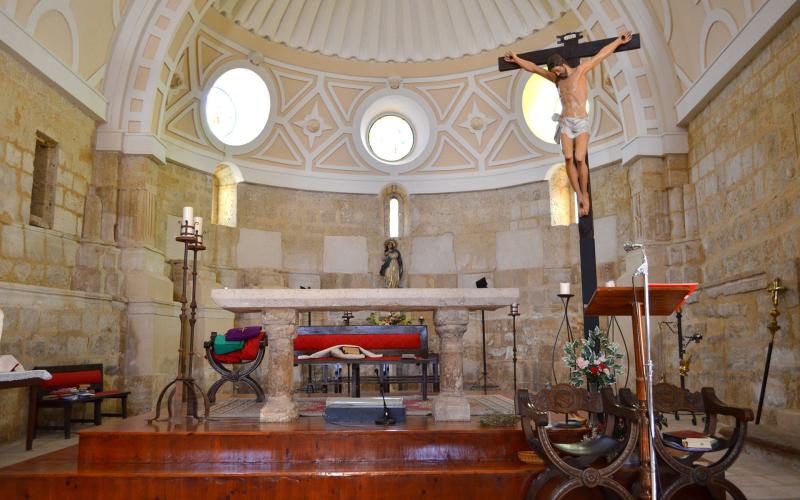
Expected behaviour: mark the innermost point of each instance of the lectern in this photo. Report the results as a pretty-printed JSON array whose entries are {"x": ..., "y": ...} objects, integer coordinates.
[{"x": 629, "y": 301}]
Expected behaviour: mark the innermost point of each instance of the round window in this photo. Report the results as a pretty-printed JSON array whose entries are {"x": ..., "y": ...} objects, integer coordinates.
[
  {"x": 540, "y": 101},
  {"x": 391, "y": 138},
  {"x": 237, "y": 106}
]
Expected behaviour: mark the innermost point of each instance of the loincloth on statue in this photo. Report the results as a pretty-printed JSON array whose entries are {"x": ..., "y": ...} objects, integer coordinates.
[{"x": 572, "y": 126}]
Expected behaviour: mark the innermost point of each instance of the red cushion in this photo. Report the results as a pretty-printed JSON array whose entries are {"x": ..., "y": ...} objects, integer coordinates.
[
  {"x": 243, "y": 355},
  {"x": 318, "y": 342},
  {"x": 73, "y": 379}
]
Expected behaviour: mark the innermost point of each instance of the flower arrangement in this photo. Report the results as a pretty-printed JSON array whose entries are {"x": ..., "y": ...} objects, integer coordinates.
[
  {"x": 395, "y": 318},
  {"x": 600, "y": 367}
]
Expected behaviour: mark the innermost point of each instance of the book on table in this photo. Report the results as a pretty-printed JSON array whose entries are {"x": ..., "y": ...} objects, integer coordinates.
[{"x": 688, "y": 440}]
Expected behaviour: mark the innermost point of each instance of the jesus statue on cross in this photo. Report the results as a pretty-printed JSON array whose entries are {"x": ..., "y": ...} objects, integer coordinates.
[{"x": 573, "y": 125}]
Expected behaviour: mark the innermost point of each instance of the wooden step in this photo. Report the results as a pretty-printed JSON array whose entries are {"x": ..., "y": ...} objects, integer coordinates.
[
  {"x": 61, "y": 476},
  {"x": 307, "y": 440},
  {"x": 306, "y": 459}
]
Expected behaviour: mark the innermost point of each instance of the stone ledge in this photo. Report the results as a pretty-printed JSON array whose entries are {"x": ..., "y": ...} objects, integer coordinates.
[
  {"x": 354, "y": 299},
  {"x": 770, "y": 442}
]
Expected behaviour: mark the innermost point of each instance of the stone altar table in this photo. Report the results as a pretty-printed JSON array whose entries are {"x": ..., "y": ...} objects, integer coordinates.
[{"x": 279, "y": 308}]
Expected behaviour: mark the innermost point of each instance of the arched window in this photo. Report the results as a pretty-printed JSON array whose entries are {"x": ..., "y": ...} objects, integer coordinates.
[
  {"x": 394, "y": 208},
  {"x": 394, "y": 217},
  {"x": 563, "y": 202},
  {"x": 224, "y": 199}
]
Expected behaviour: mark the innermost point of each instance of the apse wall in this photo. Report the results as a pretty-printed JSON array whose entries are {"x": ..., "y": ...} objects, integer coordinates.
[
  {"x": 49, "y": 318},
  {"x": 743, "y": 160}
]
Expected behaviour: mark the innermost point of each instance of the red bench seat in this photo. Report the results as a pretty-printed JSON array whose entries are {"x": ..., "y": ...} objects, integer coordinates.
[{"x": 52, "y": 393}]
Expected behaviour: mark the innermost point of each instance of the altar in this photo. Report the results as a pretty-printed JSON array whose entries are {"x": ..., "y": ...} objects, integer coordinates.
[{"x": 280, "y": 308}]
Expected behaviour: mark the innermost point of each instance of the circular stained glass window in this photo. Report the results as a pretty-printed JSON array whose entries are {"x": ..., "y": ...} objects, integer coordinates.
[
  {"x": 390, "y": 138},
  {"x": 540, "y": 101},
  {"x": 237, "y": 106}
]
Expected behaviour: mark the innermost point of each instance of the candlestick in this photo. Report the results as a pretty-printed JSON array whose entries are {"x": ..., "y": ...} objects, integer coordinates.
[
  {"x": 188, "y": 219},
  {"x": 198, "y": 225}
]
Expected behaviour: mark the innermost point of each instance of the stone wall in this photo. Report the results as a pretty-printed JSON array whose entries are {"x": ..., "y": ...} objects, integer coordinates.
[
  {"x": 291, "y": 238},
  {"x": 743, "y": 162},
  {"x": 49, "y": 319}
]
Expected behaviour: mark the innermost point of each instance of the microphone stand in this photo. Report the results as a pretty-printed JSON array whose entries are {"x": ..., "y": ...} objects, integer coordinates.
[
  {"x": 385, "y": 419},
  {"x": 644, "y": 271}
]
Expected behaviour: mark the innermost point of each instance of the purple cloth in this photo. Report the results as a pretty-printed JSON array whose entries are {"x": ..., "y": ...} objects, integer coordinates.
[{"x": 245, "y": 333}]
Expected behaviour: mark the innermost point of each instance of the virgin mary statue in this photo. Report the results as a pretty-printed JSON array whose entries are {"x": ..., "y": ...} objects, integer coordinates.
[{"x": 392, "y": 268}]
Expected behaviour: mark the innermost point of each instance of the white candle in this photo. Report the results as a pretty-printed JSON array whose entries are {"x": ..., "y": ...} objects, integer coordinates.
[
  {"x": 563, "y": 289},
  {"x": 198, "y": 225},
  {"x": 188, "y": 218},
  {"x": 610, "y": 284}
]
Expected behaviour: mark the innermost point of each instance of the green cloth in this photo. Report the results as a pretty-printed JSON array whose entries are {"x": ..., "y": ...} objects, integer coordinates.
[{"x": 222, "y": 346}]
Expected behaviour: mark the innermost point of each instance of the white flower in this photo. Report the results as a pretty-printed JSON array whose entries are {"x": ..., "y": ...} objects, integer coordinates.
[
  {"x": 607, "y": 371},
  {"x": 581, "y": 363}
]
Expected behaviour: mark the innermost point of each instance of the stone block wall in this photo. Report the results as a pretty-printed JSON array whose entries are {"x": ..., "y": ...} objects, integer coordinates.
[
  {"x": 451, "y": 240},
  {"x": 28, "y": 254},
  {"x": 743, "y": 166},
  {"x": 51, "y": 317}
]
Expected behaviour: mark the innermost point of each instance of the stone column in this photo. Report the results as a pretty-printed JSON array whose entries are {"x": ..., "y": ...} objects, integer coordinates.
[
  {"x": 451, "y": 325},
  {"x": 280, "y": 325}
]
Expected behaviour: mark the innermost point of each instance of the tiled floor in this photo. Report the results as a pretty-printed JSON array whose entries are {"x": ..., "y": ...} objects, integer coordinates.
[
  {"x": 759, "y": 478},
  {"x": 45, "y": 442}
]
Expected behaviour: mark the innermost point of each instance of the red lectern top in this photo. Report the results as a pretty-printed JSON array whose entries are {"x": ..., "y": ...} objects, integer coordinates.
[{"x": 665, "y": 298}]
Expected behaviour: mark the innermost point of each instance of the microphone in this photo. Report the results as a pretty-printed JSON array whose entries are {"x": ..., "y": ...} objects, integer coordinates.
[
  {"x": 630, "y": 246},
  {"x": 385, "y": 419}
]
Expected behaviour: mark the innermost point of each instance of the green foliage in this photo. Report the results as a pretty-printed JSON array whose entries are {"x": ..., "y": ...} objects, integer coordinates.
[
  {"x": 392, "y": 319},
  {"x": 601, "y": 367}
]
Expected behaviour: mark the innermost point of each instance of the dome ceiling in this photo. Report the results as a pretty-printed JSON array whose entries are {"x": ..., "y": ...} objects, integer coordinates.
[{"x": 393, "y": 30}]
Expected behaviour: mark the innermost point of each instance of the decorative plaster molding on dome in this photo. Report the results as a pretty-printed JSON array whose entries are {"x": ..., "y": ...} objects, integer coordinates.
[
  {"x": 136, "y": 70},
  {"x": 393, "y": 30},
  {"x": 30, "y": 49},
  {"x": 457, "y": 159},
  {"x": 765, "y": 23}
]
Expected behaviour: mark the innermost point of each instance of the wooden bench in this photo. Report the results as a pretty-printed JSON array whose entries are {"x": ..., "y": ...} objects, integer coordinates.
[
  {"x": 400, "y": 345},
  {"x": 68, "y": 376}
]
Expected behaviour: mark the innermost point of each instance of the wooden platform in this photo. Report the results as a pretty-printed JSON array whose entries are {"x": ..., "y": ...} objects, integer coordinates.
[{"x": 307, "y": 459}]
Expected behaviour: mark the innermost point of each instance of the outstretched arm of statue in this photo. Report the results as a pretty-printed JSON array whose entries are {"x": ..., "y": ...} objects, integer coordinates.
[
  {"x": 607, "y": 51},
  {"x": 529, "y": 66}
]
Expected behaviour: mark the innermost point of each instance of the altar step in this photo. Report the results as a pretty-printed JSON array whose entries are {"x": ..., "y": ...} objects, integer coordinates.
[
  {"x": 60, "y": 476},
  {"x": 307, "y": 459}
]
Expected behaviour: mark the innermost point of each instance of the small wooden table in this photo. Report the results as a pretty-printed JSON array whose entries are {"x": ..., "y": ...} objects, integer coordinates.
[{"x": 33, "y": 385}]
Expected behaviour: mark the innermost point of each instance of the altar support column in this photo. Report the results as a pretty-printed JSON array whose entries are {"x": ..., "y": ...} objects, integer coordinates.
[
  {"x": 451, "y": 325},
  {"x": 280, "y": 326}
]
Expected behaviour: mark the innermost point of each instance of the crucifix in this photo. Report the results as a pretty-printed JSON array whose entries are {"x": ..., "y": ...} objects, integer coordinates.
[
  {"x": 564, "y": 69},
  {"x": 572, "y": 52}
]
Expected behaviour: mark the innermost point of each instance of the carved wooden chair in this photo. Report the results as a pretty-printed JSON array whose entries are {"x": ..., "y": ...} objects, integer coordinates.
[
  {"x": 689, "y": 465},
  {"x": 590, "y": 463},
  {"x": 247, "y": 361}
]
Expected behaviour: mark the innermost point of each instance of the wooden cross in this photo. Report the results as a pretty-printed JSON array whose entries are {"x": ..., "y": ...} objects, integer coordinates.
[{"x": 572, "y": 51}]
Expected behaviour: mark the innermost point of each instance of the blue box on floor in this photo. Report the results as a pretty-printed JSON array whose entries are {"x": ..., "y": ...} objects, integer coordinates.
[{"x": 362, "y": 410}]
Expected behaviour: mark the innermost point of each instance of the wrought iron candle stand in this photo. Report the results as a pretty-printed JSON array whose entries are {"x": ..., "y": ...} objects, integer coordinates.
[
  {"x": 612, "y": 328},
  {"x": 564, "y": 321},
  {"x": 514, "y": 312},
  {"x": 185, "y": 405}
]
